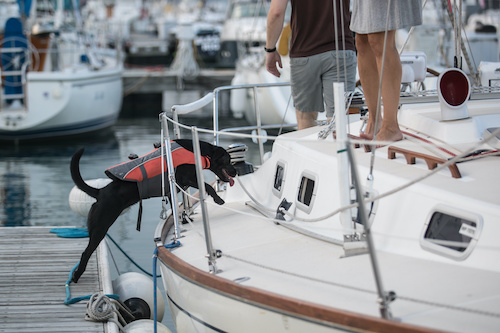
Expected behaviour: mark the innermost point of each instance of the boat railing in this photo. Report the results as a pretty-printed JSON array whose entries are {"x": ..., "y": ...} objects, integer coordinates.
[{"x": 214, "y": 97}]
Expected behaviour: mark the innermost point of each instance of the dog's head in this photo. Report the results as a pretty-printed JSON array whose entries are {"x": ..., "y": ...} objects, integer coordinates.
[
  {"x": 220, "y": 160},
  {"x": 220, "y": 164}
]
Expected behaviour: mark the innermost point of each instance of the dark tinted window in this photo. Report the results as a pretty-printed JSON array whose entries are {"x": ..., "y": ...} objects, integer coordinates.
[
  {"x": 306, "y": 191},
  {"x": 450, "y": 231},
  {"x": 278, "y": 177}
]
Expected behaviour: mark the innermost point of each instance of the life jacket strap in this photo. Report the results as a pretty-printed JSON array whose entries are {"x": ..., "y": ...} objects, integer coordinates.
[{"x": 139, "y": 216}]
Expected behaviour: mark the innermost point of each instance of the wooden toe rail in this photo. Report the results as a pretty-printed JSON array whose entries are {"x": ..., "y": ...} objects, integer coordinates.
[{"x": 431, "y": 161}]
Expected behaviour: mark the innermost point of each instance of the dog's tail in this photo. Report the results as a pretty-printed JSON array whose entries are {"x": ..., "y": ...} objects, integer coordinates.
[{"x": 77, "y": 177}]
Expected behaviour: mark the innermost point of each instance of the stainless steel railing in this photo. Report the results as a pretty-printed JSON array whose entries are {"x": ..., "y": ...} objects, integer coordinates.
[{"x": 214, "y": 98}]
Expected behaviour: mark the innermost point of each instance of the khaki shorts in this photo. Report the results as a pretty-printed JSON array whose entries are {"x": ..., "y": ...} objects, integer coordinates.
[{"x": 312, "y": 79}]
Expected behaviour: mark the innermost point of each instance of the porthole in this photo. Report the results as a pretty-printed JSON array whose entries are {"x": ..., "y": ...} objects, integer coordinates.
[
  {"x": 307, "y": 191},
  {"x": 451, "y": 232},
  {"x": 279, "y": 178}
]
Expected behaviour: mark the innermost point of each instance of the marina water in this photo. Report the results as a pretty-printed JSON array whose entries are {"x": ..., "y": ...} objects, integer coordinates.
[{"x": 35, "y": 182}]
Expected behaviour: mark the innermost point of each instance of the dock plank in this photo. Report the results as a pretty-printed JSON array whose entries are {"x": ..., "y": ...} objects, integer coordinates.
[{"x": 35, "y": 266}]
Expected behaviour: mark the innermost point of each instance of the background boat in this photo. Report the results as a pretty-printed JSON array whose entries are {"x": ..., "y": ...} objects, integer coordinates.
[{"x": 56, "y": 80}]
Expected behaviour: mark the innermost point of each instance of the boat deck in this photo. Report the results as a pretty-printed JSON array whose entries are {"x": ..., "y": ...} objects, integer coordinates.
[{"x": 35, "y": 266}]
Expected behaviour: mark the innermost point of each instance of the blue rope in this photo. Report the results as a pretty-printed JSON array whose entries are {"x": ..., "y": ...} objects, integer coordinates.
[
  {"x": 70, "y": 232},
  {"x": 69, "y": 300},
  {"x": 172, "y": 245},
  {"x": 155, "y": 312}
]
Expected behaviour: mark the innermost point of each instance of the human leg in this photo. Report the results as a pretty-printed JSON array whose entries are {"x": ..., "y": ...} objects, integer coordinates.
[
  {"x": 369, "y": 77},
  {"x": 306, "y": 89},
  {"x": 391, "y": 83},
  {"x": 306, "y": 119}
]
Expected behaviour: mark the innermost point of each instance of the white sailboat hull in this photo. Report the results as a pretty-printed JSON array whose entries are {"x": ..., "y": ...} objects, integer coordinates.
[
  {"x": 435, "y": 241},
  {"x": 193, "y": 315},
  {"x": 65, "y": 103}
]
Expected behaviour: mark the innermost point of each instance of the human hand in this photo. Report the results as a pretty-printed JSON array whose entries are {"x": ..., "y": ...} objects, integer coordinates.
[{"x": 273, "y": 58}]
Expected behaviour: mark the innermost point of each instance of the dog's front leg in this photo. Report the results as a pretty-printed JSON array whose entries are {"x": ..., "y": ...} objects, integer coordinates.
[
  {"x": 185, "y": 176},
  {"x": 211, "y": 192}
]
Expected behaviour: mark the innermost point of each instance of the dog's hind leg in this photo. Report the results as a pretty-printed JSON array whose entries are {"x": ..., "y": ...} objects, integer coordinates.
[{"x": 99, "y": 221}]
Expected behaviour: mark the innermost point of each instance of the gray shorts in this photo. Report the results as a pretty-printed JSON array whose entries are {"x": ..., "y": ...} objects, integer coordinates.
[{"x": 312, "y": 79}]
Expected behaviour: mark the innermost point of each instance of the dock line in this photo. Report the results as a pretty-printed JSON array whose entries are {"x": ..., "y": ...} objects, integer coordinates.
[{"x": 69, "y": 300}]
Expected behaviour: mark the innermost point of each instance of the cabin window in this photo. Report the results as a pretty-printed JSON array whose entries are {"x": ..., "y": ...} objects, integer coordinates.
[
  {"x": 306, "y": 192},
  {"x": 451, "y": 233},
  {"x": 279, "y": 178}
]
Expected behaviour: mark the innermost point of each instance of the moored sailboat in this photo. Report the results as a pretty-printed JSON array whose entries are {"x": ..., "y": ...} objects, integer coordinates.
[{"x": 56, "y": 80}]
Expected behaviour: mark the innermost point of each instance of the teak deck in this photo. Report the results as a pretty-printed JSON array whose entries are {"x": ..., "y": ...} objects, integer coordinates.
[{"x": 34, "y": 267}]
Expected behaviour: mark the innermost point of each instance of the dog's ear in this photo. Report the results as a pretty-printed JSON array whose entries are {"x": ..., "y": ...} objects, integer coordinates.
[{"x": 187, "y": 144}]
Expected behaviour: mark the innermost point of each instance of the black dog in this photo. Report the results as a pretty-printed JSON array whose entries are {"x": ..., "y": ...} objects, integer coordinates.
[{"x": 141, "y": 179}]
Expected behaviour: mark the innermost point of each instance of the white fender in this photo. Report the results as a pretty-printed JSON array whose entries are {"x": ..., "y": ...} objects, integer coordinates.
[
  {"x": 136, "y": 292},
  {"x": 145, "y": 326},
  {"x": 80, "y": 202}
]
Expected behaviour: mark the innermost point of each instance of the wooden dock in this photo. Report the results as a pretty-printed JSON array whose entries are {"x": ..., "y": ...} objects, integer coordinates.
[{"x": 34, "y": 267}]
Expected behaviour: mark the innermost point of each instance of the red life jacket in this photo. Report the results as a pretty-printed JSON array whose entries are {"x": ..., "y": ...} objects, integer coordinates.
[{"x": 146, "y": 170}]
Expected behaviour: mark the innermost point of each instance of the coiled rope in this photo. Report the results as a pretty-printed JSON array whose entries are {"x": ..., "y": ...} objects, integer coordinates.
[{"x": 101, "y": 308}]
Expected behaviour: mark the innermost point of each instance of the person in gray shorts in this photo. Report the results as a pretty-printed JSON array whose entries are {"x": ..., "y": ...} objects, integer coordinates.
[
  {"x": 320, "y": 53},
  {"x": 369, "y": 22}
]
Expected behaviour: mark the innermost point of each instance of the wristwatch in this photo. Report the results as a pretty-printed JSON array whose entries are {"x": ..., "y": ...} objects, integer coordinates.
[{"x": 269, "y": 50}]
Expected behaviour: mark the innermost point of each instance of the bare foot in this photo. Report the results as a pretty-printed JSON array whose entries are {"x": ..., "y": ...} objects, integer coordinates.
[
  {"x": 366, "y": 136},
  {"x": 382, "y": 135},
  {"x": 369, "y": 132},
  {"x": 389, "y": 135}
]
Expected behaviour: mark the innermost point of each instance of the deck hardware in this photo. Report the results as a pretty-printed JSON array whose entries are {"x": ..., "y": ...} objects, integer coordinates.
[
  {"x": 186, "y": 218},
  {"x": 282, "y": 208},
  {"x": 431, "y": 161}
]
